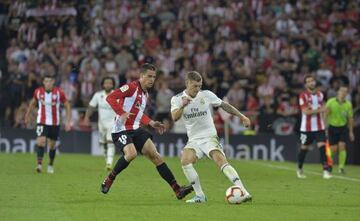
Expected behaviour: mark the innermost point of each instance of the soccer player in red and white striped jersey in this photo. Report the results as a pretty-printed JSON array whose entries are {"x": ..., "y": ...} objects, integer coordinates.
[
  {"x": 129, "y": 102},
  {"x": 312, "y": 125},
  {"x": 48, "y": 98}
]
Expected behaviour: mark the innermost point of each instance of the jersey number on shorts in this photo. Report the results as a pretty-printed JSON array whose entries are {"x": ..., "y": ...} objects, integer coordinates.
[
  {"x": 303, "y": 138},
  {"x": 123, "y": 138},
  {"x": 39, "y": 130}
]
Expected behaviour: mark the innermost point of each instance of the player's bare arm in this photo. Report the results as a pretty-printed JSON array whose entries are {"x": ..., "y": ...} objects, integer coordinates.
[
  {"x": 89, "y": 112},
  {"x": 32, "y": 105},
  {"x": 67, "y": 106},
  {"x": 176, "y": 114},
  {"x": 158, "y": 126},
  {"x": 232, "y": 110},
  {"x": 310, "y": 111},
  {"x": 326, "y": 115},
  {"x": 351, "y": 129}
]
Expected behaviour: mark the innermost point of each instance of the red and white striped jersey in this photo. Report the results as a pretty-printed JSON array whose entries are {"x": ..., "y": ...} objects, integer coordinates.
[
  {"x": 311, "y": 122},
  {"x": 49, "y": 105},
  {"x": 130, "y": 98}
]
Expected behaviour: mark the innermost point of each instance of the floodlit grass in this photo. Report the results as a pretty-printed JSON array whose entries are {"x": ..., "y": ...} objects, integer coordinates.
[{"x": 73, "y": 192}]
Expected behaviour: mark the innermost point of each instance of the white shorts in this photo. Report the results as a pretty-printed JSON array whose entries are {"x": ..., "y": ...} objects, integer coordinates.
[
  {"x": 204, "y": 146},
  {"x": 105, "y": 133}
]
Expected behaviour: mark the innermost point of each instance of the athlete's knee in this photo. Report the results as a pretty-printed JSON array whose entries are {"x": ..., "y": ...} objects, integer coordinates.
[
  {"x": 342, "y": 146},
  {"x": 304, "y": 147},
  {"x": 188, "y": 158},
  {"x": 52, "y": 144},
  {"x": 130, "y": 153},
  {"x": 41, "y": 141}
]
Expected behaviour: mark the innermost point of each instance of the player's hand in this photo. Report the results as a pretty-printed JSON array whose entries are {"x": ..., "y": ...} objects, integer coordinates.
[
  {"x": 246, "y": 122},
  {"x": 158, "y": 126},
  {"x": 322, "y": 109},
  {"x": 87, "y": 121},
  {"x": 185, "y": 101},
  {"x": 68, "y": 126},
  {"x": 125, "y": 116},
  {"x": 351, "y": 136}
]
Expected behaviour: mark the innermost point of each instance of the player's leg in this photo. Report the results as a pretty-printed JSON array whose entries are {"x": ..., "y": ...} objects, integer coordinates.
[
  {"x": 110, "y": 150},
  {"x": 110, "y": 153},
  {"x": 219, "y": 158},
  {"x": 124, "y": 161},
  {"x": 40, "y": 145},
  {"x": 148, "y": 149},
  {"x": 333, "y": 138},
  {"x": 188, "y": 158},
  {"x": 124, "y": 142},
  {"x": 305, "y": 139},
  {"x": 343, "y": 138},
  {"x": 321, "y": 139},
  {"x": 40, "y": 150},
  {"x": 342, "y": 156},
  {"x": 52, "y": 137},
  {"x": 52, "y": 154},
  {"x": 103, "y": 146}
]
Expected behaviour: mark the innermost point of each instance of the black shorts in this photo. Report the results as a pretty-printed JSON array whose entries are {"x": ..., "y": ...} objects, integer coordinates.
[
  {"x": 138, "y": 137},
  {"x": 48, "y": 131},
  {"x": 307, "y": 138},
  {"x": 337, "y": 134}
]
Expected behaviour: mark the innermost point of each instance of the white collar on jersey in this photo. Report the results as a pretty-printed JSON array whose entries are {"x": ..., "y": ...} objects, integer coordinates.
[{"x": 191, "y": 98}]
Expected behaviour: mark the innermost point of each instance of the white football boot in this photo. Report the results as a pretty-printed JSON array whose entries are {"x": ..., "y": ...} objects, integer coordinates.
[
  {"x": 197, "y": 199},
  {"x": 50, "y": 169},
  {"x": 327, "y": 175},
  {"x": 300, "y": 174}
]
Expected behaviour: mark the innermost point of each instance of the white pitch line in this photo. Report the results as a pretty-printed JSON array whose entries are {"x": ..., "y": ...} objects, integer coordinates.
[{"x": 307, "y": 171}]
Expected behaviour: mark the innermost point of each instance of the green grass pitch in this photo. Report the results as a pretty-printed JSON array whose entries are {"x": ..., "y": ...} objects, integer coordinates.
[{"x": 73, "y": 193}]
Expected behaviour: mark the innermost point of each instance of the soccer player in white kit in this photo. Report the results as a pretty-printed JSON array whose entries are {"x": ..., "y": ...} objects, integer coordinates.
[
  {"x": 106, "y": 118},
  {"x": 194, "y": 105}
]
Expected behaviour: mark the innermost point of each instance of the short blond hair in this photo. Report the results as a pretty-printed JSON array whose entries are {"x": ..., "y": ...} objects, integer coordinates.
[{"x": 193, "y": 76}]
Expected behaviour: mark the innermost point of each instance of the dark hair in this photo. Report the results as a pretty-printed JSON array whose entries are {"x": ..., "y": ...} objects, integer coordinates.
[
  {"x": 308, "y": 76},
  {"x": 147, "y": 66},
  {"x": 108, "y": 78},
  {"x": 49, "y": 76},
  {"x": 193, "y": 76}
]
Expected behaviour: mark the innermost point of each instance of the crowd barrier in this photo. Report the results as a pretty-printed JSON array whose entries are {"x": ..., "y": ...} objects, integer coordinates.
[{"x": 256, "y": 147}]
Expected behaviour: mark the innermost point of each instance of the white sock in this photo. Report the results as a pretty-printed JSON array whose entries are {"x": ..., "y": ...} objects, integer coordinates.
[
  {"x": 103, "y": 147},
  {"x": 110, "y": 153},
  {"x": 233, "y": 176},
  {"x": 193, "y": 178}
]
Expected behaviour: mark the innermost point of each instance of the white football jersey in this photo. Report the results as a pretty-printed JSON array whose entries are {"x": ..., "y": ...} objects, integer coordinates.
[
  {"x": 197, "y": 114},
  {"x": 106, "y": 113}
]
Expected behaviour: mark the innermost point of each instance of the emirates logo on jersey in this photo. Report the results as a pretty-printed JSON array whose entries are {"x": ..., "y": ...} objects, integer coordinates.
[{"x": 54, "y": 96}]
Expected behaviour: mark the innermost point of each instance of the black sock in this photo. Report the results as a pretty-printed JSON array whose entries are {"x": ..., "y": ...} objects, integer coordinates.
[
  {"x": 323, "y": 159},
  {"x": 168, "y": 176},
  {"x": 40, "y": 153},
  {"x": 301, "y": 158},
  {"x": 52, "y": 153},
  {"x": 120, "y": 165}
]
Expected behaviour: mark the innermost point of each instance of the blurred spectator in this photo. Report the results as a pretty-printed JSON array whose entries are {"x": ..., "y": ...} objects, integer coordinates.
[
  {"x": 236, "y": 96},
  {"x": 262, "y": 47},
  {"x": 163, "y": 97},
  {"x": 323, "y": 75}
]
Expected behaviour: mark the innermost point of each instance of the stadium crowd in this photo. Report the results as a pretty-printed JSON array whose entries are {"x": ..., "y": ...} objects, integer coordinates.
[{"x": 254, "y": 52}]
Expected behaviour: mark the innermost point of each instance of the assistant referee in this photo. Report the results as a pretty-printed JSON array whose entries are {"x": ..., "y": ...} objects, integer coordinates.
[{"x": 339, "y": 117}]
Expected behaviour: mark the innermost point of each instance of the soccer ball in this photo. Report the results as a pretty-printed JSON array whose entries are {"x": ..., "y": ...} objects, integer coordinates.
[{"x": 234, "y": 195}]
